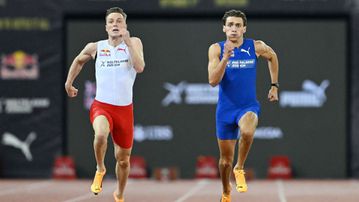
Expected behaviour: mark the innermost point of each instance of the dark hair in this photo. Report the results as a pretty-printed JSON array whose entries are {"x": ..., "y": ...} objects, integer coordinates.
[
  {"x": 235, "y": 13},
  {"x": 116, "y": 10}
]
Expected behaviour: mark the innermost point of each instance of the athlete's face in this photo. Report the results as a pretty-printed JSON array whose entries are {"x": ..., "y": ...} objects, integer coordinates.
[
  {"x": 234, "y": 28},
  {"x": 115, "y": 22}
]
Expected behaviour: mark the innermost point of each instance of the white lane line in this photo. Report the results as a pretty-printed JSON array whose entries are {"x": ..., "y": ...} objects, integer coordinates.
[
  {"x": 281, "y": 193},
  {"x": 81, "y": 198},
  {"x": 192, "y": 191},
  {"x": 90, "y": 195},
  {"x": 25, "y": 188}
]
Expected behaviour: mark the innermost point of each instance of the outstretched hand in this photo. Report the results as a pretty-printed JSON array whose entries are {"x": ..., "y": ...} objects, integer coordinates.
[
  {"x": 273, "y": 94},
  {"x": 71, "y": 91}
]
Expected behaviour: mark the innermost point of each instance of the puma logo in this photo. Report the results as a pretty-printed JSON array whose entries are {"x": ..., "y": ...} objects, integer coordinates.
[
  {"x": 11, "y": 140},
  {"x": 246, "y": 51},
  {"x": 122, "y": 49}
]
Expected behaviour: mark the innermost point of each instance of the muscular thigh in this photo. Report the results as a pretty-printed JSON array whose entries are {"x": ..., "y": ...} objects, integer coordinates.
[
  {"x": 123, "y": 128},
  {"x": 248, "y": 122},
  {"x": 101, "y": 125},
  {"x": 100, "y": 118}
]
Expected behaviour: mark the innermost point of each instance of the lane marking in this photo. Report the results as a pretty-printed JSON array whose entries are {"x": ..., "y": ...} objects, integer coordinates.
[
  {"x": 192, "y": 191},
  {"x": 281, "y": 192},
  {"x": 90, "y": 195}
]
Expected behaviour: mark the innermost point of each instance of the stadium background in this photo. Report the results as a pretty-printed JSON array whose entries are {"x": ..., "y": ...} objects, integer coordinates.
[{"x": 316, "y": 42}]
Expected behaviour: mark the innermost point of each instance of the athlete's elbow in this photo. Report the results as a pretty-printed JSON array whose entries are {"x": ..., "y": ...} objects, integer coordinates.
[
  {"x": 139, "y": 66},
  {"x": 139, "y": 69},
  {"x": 78, "y": 62},
  {"x": 273, "y": 57},
  {"x": 213, "y": 82}
]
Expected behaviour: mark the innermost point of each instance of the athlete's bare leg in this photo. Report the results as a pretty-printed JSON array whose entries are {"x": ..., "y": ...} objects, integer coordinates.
[
  {"x": 101, "y": 127},
  {"x": 247, "y": 125},
  {"x": 226, "y": 148},
  {"x": 122, "y": 169}
]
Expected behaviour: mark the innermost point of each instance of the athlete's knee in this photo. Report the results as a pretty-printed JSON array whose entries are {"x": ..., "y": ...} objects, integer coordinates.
[
  {"x": 247, "y": 134},
  {"x": 101, "y": 136},
  {"x": 225, "y": 162},
  {"x": 124, "y": 163},
  {"x": 123, "y": 159}
]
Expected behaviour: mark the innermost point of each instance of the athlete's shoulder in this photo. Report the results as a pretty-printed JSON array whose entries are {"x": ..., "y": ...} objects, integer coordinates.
[
  {"x": 90, "y": 47},
  {"x": 217, "y": 45},
  {"x": 259, "y": 43},
  {"x": 91, "y": 44},
  {"x": 135, "y": 39},
  {"x": 262, "y": 48},
  {"x": 136, "y": 42},
  {"x": 214, "y": 45}
]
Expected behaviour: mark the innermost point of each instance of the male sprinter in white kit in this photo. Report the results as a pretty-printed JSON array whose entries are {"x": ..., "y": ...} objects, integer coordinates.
[{"x": 118, "y": 59}]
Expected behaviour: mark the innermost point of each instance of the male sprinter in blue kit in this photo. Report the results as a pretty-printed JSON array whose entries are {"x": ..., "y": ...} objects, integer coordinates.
[{"x": 232, "y": 65}]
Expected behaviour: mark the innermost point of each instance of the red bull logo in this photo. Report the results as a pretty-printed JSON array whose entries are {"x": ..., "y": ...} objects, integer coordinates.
[
  {"x": 105, "y": 52},
  {"x": 19, "y": 65}
]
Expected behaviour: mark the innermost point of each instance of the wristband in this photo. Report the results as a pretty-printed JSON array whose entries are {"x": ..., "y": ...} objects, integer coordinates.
[{"x": 275, "y": 85}]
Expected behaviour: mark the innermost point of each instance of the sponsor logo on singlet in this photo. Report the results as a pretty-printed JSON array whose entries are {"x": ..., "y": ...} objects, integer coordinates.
[
  {"x": 122, "y": 49},
  {"x": 113, "y": 63},
  {"x": 105, "y": 52},
  {"x": 241, "y": 63},
  {"x": 246, "y": 51}
]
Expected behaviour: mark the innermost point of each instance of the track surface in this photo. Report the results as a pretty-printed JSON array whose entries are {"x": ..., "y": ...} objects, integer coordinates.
[{"x": 180, "y": 191}]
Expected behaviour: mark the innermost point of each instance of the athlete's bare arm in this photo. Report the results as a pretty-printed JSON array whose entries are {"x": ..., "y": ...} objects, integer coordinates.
[
  {"x": 85, "y": 55},
  {"x": 136, "y": 51},
  {"x": 216, "y": 67},
  {"x": 263, "y": 50},
  {"x": 135, "y": 47}
]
